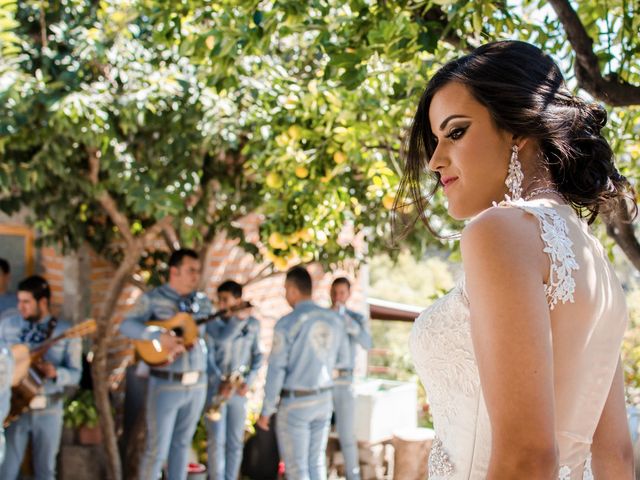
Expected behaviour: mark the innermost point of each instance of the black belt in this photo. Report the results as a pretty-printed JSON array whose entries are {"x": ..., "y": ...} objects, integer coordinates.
[
  {"x": 174, "y": 376},
  {"x": 303, "y": 393}
]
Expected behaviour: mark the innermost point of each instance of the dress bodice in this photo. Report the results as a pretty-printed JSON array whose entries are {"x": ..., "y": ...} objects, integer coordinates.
[{"x": 588, "y": 317}]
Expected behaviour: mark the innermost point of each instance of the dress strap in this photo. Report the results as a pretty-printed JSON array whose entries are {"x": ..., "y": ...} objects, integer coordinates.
[{"x": 559, "y": 247}]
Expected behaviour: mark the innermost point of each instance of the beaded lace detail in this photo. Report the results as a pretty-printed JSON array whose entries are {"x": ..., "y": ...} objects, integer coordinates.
[
  {"x": 558, "y": 246},
  {"x": 439, "y": 464},
  {"x": 441, "y": 467}
]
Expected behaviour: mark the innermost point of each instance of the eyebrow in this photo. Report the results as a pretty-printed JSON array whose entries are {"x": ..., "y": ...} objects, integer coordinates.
[{"x": 451, "y": 117}]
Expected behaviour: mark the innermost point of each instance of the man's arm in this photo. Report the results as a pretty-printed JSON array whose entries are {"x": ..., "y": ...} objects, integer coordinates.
[
  {"x": 278, "y": 361},
  {"x": 70, "y": 370},
  {"x": 133, "y": 324},
  {"x": 214, "y": 373},
  {"x": 359, "y": 330},
  {"x": 256, "y": 357},
  {"x": 343, "y": 359}
]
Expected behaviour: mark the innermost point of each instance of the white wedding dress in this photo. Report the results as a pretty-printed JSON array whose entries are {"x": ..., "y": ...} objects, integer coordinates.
[{"x": 588, "y": 319}]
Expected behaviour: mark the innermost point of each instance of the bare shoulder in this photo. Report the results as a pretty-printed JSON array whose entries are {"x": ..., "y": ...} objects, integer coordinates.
[{"x": 504, "y": 233}]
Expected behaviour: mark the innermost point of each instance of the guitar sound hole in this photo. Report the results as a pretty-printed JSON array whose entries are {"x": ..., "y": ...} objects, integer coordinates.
[{"x": 178, "y": 331}]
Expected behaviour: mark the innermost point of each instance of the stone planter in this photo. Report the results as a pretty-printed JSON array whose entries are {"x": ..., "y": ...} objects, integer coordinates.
[{"x": 89, "y": 435}]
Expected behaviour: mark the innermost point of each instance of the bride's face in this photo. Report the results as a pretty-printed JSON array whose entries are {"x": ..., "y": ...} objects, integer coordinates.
[{"x": 472, "y": 153}]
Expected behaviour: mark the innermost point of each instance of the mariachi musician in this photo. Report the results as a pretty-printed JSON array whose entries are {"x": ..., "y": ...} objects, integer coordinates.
[
  {"x": 235, "y": 358},
  {"x": 60, "y": 367},
  {"x": 177, "y": 390}
]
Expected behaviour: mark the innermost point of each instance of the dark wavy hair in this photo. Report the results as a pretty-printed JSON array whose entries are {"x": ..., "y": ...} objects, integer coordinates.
[{"x": 525, "y": 93}]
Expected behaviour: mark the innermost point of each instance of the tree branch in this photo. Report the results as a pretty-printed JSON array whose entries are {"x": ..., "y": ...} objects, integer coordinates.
[
  {"x": 106, "y": 200},
  {"x": 156, "y": 229},
  {"x": 620, "y": 228},
  {"x": 43, "y": 27},
  {"x": 171, "y": 237},
  {"x": 435, "y": 14},
  {"x": 610, "y": 89}
]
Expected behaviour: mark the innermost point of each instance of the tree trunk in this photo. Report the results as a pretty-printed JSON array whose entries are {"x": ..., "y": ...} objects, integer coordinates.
[
  {"x": 105, "y": 332},
  {"x": 620, "y": 228}
]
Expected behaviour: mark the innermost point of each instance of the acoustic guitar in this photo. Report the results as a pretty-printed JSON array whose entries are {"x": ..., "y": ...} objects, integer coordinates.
[
  {"x": 28, "y": 382},
  {"x": 181, "y": 325}
]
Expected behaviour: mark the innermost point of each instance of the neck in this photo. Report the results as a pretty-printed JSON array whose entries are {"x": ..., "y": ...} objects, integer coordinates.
[
  {"x": 302, "y": 299},
  {"x": 39, "y": 319},
  {"x": 178, "y": 289}
]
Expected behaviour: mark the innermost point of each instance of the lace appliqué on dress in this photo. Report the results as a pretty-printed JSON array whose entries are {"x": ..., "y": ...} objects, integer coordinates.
[
  {"x": 443, "y": 354},
  {"x": 439, "y": 464},
  {"x": 558, "y": 246},
  {"x": 565, "y": 471}
]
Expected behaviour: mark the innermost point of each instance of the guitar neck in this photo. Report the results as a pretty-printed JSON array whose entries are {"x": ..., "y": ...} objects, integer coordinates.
[
  {"x": 42, "y": 349},
  {"x": 85, "y": 328}
]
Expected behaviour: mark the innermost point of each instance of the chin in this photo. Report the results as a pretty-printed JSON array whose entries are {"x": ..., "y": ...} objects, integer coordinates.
[
  {"x": 458, "y": 213},
  {"x": 465, "y": 210}
]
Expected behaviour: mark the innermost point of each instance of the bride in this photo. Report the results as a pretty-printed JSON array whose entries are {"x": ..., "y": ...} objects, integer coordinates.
[{"x": 520, "y": 360}]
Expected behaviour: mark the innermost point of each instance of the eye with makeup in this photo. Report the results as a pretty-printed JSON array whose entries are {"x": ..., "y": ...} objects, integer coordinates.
[{"x": 456, "y": 133}]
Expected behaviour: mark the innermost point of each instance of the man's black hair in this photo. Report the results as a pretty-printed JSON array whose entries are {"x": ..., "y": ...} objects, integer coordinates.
[
  {"x": 342, "y": 281},
  {"x": 301, "y": 279},
  {"x": 37, "y": 286},
  {"x": 4, "y": 266},
  {"x": 234, "y": 288},
  {"x": 175, "y": 260}
]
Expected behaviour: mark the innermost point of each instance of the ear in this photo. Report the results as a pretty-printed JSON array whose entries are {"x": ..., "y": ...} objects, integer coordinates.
[
  {"x": 43, "y": 303},
  {"x": 519, "y": 141}
]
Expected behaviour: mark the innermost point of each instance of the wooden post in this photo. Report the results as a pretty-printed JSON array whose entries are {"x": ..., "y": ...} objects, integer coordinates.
[{"x": 411, "y": 453}]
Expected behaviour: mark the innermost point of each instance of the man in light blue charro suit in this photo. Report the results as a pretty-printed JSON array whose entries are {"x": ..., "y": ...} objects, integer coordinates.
[
  {"x": 234, "y": 348},
  {"x": 176, "y": 391},
  {"x": 60, "y": 367},
  {"x": 357, "y": 329},
  {"x": 308, "y": 344},
  {"x": 6, "y": 374}
]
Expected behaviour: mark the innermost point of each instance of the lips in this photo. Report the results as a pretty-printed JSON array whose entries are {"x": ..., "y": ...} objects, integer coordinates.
[{"x": 447, "y": 181}]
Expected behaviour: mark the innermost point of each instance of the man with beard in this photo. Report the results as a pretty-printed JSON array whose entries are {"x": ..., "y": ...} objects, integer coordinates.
[
  {"x": 60, "y": 367},
  {"x": 177, "y": 390}
]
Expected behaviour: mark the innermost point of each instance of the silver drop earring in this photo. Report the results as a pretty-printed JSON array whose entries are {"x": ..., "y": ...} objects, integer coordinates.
[{"x": 515, "y": 176}]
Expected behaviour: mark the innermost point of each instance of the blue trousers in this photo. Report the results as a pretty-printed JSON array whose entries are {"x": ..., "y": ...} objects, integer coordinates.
[
  {"x": 226, "y": 440},
  {"x": 344, "y": 406},
  {"x": 173, "y": 412},
  {"x": 302, "y": 430},
  {"x": 45, "y": 428}
]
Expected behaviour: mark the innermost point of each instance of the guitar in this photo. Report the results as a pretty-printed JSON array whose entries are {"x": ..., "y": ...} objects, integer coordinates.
[
  {"x": 28, "y": 382},
  {"x": 181, "y": 325}
]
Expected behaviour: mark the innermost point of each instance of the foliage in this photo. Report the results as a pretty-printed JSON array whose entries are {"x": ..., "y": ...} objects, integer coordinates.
[
  {"x": 80, "y": 410},
  {"x": 117, "y": 115},
  {"x": 415, "y": 282},
  {"x": 207, "y": 111},
  {"x": 631, "y": 346}
]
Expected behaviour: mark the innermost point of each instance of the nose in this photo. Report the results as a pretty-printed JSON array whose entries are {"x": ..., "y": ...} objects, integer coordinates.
[{"x": 438, "y": 159}]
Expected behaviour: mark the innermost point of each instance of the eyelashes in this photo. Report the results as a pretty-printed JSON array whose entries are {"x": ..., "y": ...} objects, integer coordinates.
[{"x": 456, "y": 133}]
